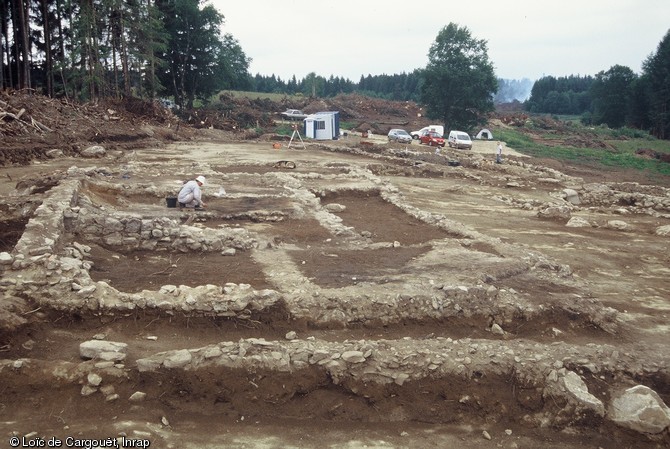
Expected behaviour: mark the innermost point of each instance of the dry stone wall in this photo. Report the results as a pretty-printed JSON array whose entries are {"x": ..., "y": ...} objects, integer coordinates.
[{"x": 49, "y": 263}]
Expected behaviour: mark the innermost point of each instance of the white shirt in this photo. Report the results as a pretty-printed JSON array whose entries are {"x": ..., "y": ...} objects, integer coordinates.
[{"x": 189, "y": 188}]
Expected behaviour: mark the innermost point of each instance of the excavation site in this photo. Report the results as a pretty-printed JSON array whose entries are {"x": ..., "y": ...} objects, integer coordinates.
[{"x": 337, "y": 295}]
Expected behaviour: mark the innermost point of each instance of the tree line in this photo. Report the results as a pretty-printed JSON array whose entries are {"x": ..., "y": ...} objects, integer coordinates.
[
  {"x": 616, "y": 97},
  {"x": 398, "y": 87},
  {"x": 91, "y": 49}
]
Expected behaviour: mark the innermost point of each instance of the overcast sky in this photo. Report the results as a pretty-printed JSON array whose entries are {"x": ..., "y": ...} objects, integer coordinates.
[{"x": 526, "y": 38}]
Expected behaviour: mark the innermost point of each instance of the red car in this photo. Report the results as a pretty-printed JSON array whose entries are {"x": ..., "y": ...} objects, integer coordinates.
[{"x": 432, "y": 139}]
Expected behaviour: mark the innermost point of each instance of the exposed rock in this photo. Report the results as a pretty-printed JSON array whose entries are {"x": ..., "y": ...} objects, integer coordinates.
[
  {"x": 93, "y": 151},
  {"x": 178, "y": 359},
  {"x": 401, "y": 378},
  {"x": 6, "y": 258},
  {"x": 618, "y": 225},
  {"x": 138, "y": 396},
  {"x": 105, "y": 350},
  {"x": 663, "y": 230},
  {"x": 571, "y": 196},
  {"x": 555, "y": 213},
  {"x": 335, "y": 207},
  {"x": 94, "y": 379},
  {"x": 147, "y": 365},
  {"x": 497, "y": 330},
  {"x": 88, "y": 390},
  {"x": 54, "y": 153},
  {"x": 291, "y": 335},
  {"x": 578, "y": 222},
  {"x": 576, "y": 387},
  {"x": 641, "y": 409},
  {"x": 353, "y": 357}
]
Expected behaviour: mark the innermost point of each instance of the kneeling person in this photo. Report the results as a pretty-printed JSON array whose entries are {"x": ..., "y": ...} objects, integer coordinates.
[{"x": 190, "y": 194}]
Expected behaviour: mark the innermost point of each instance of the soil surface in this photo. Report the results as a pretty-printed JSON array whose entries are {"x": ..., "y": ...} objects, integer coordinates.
[{"x": 461, "y": 272}]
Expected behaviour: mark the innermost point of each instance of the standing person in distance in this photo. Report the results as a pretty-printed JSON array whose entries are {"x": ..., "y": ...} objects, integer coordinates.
[
  {"x": 190, "y": 194},
  {"x": 499, "y": 153}
]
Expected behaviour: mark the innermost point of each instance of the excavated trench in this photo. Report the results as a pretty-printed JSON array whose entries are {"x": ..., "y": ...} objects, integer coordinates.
[
  {"x": 305, "y": 295},
  {"x": 10, "y": 233}
]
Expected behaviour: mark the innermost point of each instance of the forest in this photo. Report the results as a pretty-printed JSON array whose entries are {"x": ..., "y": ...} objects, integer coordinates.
[
  {"x": 84, "y": 50},
  {"x": 90, "y": 49},
  {"x": 616, "y": 98}
]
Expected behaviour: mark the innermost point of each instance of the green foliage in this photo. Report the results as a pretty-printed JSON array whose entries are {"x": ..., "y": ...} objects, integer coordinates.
[
  {"x": 514, "y": 139},
  {"x": 459, "y": 82},
  {"x": 586, "y": 118},
  {"x": 657, "y": 70},
  {"x": 630, "y": 133},
  {"x": 610, "y": 93},
  {"x": 616, "y": 97},
  {"x": 151, "y": 43},
  {"x": 232, "y": 65},
  {"x": 399, "y": 87},
  {"x": 622, "y": 156},
  {"x": 199, "y": 61},
  {"x": 564, "y": 95},
  {"x": 314, "y": 85},
  {"x": 284, "y": 129}
]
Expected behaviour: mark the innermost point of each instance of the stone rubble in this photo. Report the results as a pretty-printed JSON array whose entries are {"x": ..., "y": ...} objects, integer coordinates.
[{"x": 50, "y": 266}]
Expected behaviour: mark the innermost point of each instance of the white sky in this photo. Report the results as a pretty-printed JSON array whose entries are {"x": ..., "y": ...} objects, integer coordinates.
[{"x": 526, "y": 38}]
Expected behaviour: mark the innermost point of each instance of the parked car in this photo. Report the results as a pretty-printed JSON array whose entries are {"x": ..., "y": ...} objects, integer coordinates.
[
  {"x": 294, "y": 114},
  {"x": 437, "y": 128},
  {"x": 399, "y": 135},
  {"x": 432, "y": 139},
  {"x": 460, "y": 139}
]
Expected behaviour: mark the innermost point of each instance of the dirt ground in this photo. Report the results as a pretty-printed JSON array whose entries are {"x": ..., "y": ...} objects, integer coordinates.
[{"x": 391, "y": 249}]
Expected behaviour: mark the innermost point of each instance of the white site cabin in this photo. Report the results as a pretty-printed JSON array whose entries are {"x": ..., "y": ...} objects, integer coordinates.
[{"x": 323, "y": 125}]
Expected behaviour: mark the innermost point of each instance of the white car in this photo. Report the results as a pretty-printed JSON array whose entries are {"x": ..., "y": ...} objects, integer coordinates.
[
  {"x": 399, "y": 135},
  {"x": 294, "y": 114},
  {"x": 459, "y": 139},
  {"x": 437, "y": 128}
]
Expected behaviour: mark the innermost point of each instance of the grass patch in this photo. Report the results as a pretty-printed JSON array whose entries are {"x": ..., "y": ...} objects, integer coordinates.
[
  {"x": 632, "y": 145},
  {"x": 622, "y": 156}
]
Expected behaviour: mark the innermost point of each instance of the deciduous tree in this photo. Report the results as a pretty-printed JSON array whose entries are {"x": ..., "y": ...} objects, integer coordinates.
[
  {"x": 610, "y": 93},
  {"x": 197, "y": 57},
  {"x": 459, "y": 80}
]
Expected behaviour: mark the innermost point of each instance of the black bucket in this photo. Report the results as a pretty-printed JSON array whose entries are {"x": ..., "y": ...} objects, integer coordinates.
[{"x": 171, "y": 201}]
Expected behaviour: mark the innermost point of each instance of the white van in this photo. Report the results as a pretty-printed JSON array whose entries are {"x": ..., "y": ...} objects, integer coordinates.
[
  {"x": 437, "y": 128},
  {"x": 459, "y": 139}
]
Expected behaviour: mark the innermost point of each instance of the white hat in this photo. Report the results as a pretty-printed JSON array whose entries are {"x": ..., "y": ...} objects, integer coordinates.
[{"x": 201, "y": 179}]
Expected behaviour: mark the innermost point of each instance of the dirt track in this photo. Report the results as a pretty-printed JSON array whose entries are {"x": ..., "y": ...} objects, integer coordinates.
[{"x": 374, "y": 296}]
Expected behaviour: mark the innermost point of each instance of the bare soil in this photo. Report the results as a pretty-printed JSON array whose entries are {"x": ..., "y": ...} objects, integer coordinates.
[{"x": 409, "y": 223}]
